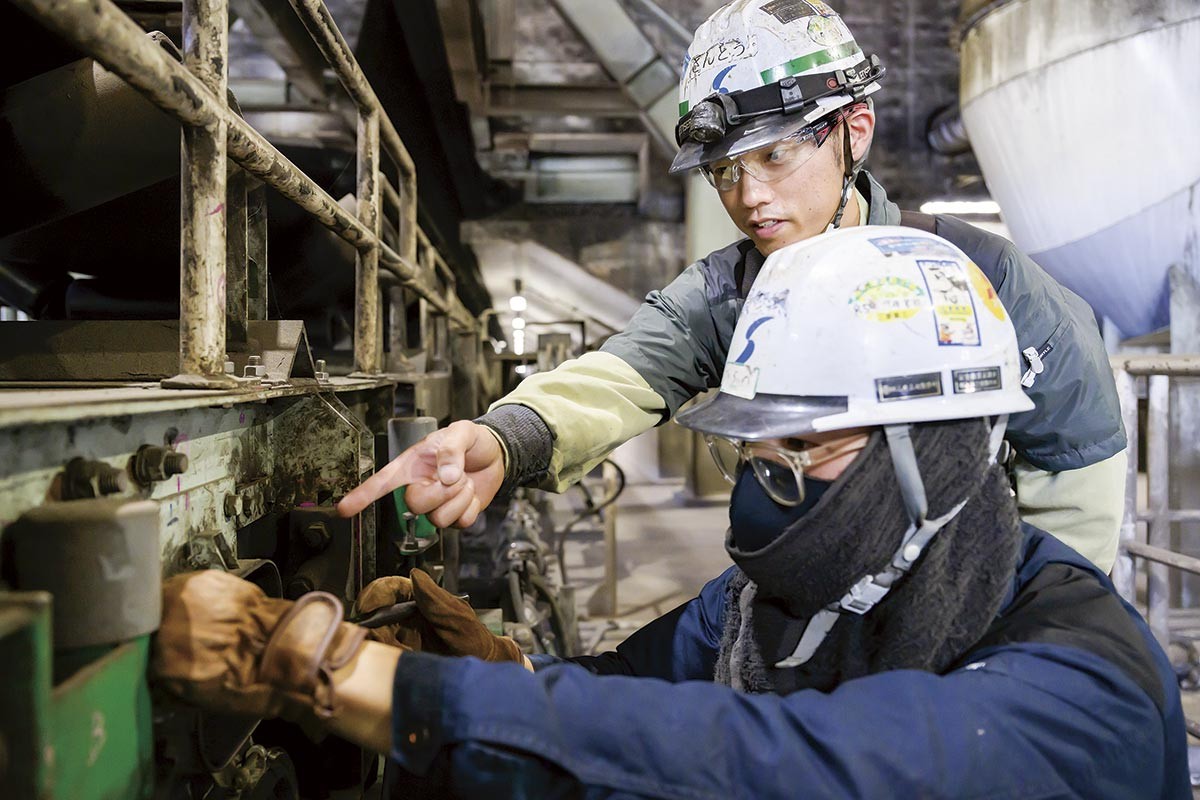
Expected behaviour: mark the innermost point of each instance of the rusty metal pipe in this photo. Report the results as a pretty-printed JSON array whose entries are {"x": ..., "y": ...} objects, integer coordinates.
[
  {"x": 324, "y": 31},
  {"x": 203, "y": 184},
  {"x": 1175, "y": 365},
  {"x": 367, "y": 350},
  {"x": 329, "y": 40}
]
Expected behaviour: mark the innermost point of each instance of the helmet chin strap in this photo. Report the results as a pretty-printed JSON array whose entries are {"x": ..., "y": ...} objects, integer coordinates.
[
  {"x": 871, "y": 589},
  {"x": 850, "y": 169}
]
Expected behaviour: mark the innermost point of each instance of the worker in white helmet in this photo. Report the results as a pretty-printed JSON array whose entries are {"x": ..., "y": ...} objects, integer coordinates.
[
  {"x": 890, "y": 627},
  {"x": 776, "y": 112}
]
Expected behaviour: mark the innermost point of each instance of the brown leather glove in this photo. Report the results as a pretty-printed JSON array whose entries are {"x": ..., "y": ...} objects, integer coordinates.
[
  {"x": 445, "y": 624},
  {"x": 225, "y": 646}
]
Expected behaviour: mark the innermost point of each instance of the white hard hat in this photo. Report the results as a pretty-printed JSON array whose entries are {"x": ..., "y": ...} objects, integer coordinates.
[
  {"x": 871, "y": 325},
  {"x": 760, "y": 70}
]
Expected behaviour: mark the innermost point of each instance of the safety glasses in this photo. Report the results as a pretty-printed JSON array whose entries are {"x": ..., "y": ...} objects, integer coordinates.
[
  {"x": 771, "y": 163},
  {"x": 779, "y": 470}
]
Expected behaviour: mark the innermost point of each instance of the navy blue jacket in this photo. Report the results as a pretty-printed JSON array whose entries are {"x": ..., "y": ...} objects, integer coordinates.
[{"x": 1066, "y": 695}]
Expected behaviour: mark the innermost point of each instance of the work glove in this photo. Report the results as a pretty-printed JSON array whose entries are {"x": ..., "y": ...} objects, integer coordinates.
[
  {"x": 444, "y": 624},
  {"x": 225, "y": 646}
]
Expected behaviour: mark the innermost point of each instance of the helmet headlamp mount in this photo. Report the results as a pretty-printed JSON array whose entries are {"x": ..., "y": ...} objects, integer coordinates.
[{"x": 717, "y": 114}]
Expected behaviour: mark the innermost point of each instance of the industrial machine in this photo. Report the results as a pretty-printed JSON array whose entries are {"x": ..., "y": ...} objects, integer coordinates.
[{"x": 161, "y": 412}]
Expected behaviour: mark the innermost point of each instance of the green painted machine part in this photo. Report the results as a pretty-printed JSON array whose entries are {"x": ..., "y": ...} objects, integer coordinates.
[
  {"x": 425, "y": 529},
  {"x": 87, "y": 737}
]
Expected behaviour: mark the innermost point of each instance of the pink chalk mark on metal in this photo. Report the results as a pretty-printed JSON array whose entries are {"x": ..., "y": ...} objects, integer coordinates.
[
  {"x": 242, "y": 418},
  {"x": 308, "y": 504},
  {"x": 220, "y": 207}
]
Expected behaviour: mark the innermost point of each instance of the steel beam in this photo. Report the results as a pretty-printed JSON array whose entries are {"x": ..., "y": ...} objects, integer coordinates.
[{"x": 559, "y": 100}]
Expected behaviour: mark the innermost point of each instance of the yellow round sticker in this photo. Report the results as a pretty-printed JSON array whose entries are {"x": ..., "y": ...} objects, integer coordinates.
[
  {"x": 888, "y": 299},
  {"x": 983, "y": 288}
]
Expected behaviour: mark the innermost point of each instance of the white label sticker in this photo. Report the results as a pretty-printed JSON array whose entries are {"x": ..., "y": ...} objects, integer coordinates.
[{"x": 740, "y": 380}]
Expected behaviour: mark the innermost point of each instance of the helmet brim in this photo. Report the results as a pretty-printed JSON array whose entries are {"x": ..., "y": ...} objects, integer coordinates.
[
  {"x": 767, "y": 416},
  {"x": 757, "y": 133}
]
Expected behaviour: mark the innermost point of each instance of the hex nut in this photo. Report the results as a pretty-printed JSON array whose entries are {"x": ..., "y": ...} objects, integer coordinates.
[{"x": 152, "y": 463}]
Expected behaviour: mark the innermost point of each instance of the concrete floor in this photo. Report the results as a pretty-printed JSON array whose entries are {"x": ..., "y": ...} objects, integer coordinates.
[{"x": 667, "y": 549}]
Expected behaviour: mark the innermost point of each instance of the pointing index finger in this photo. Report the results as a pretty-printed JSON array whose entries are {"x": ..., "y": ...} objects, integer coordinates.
[{"x": 403, "y": 470}]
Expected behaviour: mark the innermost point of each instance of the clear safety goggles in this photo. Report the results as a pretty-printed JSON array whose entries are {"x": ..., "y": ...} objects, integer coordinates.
[
  {"x": 778, "y": 469},
  {"x": 771, "y": 163}
]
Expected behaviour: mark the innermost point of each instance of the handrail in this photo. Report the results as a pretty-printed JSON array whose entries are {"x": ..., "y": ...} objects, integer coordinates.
[
  {"x": 1155, "y": 371},
  {"x": 102, "y": 30}
]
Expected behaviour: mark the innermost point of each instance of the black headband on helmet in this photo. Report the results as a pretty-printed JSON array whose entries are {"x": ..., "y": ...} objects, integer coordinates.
[{"x": 713, "y": 116}]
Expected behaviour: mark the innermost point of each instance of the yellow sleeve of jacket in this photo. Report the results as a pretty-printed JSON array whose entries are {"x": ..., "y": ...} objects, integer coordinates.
[
  {"x": 591, "y": 404},
  {"x": 1080, "y": 507}
]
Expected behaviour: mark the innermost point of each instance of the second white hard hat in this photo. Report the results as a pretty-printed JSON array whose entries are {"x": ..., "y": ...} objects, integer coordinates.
[{"x": 871, "y": 325}]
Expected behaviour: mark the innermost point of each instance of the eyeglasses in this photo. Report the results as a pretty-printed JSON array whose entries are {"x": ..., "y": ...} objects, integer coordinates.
[
  {"x": 773, "y": 162},
  {"x": 779, "y": 471}
]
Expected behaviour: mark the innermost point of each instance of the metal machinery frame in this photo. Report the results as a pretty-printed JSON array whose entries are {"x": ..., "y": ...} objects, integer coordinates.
[
  {"x": 1150, "y": 376},
  {"x": 231, "y": 460}
]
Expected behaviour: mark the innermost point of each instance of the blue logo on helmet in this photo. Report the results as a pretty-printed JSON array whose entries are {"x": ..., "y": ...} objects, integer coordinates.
[
  {"x": 749, "y": 351},
  {"x": 721, "y": 76}
]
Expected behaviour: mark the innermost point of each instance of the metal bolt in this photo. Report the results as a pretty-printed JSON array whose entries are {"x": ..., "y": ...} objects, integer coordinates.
[
  {"x": 155, "y": 463},
  {"x": 254, "y": 368},
  {"x": 83, "y": 478},
  {"x": 229, "y": 369},
  {"x": 316, "y": 536},
  {"x": 321, "y": 373}
]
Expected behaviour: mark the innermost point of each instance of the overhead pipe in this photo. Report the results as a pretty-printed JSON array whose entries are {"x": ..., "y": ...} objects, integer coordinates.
[{"x": 945, "y": 133}]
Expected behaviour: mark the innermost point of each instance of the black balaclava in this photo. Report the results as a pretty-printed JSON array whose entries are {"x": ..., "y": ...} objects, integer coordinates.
[
  {"x": 755, "y": 519},
  {"x": 930, "y": 617}
]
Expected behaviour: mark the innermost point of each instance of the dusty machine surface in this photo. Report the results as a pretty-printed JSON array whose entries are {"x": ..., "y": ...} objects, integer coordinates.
[{"x": 156, "y": 413}]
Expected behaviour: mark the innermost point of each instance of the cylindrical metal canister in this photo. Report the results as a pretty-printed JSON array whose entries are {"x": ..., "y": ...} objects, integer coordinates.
[{"x": 100, "y": 560}]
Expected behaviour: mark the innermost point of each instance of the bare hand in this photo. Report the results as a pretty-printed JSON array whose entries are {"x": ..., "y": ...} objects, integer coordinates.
[{"x": 452, "y": 474}]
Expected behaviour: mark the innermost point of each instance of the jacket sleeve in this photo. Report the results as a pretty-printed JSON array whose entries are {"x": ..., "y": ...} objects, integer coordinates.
[
  {"x": 669, "y": 352},
  {"x": 681, "y": 645},
  {"x": 1027, "y": 721},
  {"x": 1081, "y": 507},
  {"x": 1076, "y": 421}
]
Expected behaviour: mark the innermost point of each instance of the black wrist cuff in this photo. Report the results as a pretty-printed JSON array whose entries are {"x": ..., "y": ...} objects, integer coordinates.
[{"x": 528, "y": 441}]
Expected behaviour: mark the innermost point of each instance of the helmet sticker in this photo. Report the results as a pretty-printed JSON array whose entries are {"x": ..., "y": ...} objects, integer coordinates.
[
  {"x": 979, "y": 379},
  {"x": 787, "y": 11},
  {"x": 953, "y": 306},
  {"x": 728, "y": 52},
  {"x": 828, "y": 31},
  {"x": 912, "y": 246},
  {"x": 908, "y": 387},
  {"x": 740, "y": 380},
  {"x": 888, "y": 299},
  {"x": 983, "y": 288}
]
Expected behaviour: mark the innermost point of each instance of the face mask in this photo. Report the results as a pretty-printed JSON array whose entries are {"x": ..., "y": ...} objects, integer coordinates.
[{"x": 756, "y": 520}]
